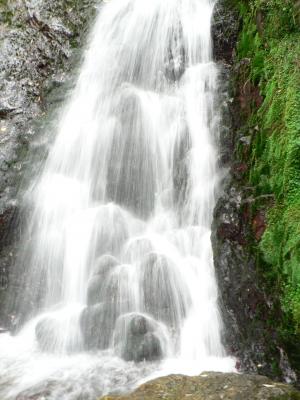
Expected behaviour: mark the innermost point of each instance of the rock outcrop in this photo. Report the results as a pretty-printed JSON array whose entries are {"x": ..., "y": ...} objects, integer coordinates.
[
  {"x": 212, "y": 386},
  {"x": 249, "y": 311},
  {"x": 39, "y": 44}
]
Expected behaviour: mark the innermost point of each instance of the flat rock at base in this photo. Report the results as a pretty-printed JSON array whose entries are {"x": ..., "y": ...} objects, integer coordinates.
[{"x": 212, "y": 386}]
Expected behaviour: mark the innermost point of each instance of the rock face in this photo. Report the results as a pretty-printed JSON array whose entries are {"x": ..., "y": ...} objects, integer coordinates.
[
  {"x": 212, "y": 386},
  {"x": 225, "y": 29},
  {"x": 38, "y": 47},
  {"x": 246, "y": 308}
]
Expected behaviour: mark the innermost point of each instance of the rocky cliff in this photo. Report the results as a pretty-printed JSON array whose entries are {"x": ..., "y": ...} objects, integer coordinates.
[
  {"x": 39, "y": 50},
  {"x": 256, "y": 225}
]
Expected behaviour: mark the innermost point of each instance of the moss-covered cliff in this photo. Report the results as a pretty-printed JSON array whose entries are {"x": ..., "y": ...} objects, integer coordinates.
[
  {"x": 270, "y": 39},
  {"x": 266, "y": 170}
]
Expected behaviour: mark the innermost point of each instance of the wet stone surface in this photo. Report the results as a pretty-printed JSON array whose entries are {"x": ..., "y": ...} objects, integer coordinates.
[
  {"x": 39, "y": 43},
  {"x": 246, "y": 308},
  {"x": 212, "y": 386},
  {"x": 141, "y": 342}
]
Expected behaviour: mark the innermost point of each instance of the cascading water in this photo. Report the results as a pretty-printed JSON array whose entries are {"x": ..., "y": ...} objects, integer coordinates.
[{"x": 118, "y": 255}]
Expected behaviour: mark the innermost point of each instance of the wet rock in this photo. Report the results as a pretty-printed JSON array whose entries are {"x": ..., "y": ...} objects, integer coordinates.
[
  {"x": 246, "y": 309},
  {"x": 95, "y": 290},
  {"x": 139, "y": 325},
  {"x": 104, "y": 265},
  {"x": 176, "y": 58},
  {"x": 245, "y": 306},
  {"x": 97, "y": 323},
  {"x": 165, "y": 296},
  {"x": 8, "y": 217},
  {"x": 35, "y": 45},
  {"x": 229, "y": 223},
  {"x": 96, "y": 285},
  {"x": 212, "y": 386},
  {"x": 136, "y": 338},
  {"x": 225, "y": 30},
  {"x": 149, "y": 349},
  {"x": 46, "y": 333},
  {"x": 6, "y": 110},
  {"x": 181, "y": 165},
  {"x": 131, "y": 182},
  {"x": 259, "y": 224}
]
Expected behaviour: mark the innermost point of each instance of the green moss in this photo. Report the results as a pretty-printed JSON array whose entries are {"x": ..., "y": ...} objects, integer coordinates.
[
  {"x": 270, "y": 40},
  {"x": 6, "y": 12}
]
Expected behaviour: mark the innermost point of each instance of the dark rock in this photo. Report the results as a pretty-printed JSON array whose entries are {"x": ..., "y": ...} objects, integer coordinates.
[
  {"x": 139, "y": 325},
  {"x": 181, "y": 164},
  {"x": 149, "y": 349},
  {"x": 6, "y": 110},
  {"x": 245, "y": 306},
  {"x": 165, "y": 296},
  {"x": 97, "y": 325},
  {"x": 288, "y": 374},
  {"x": 259, "y": 224},
  {"x": 225, "y": 30},
  {"x": 176, "y": 58},
  {"x": 38, "y": 41},
  {"x": 212, "y": 386},
  {"x": 229, "y": 223},
  {"x": 137, "y": 338}
]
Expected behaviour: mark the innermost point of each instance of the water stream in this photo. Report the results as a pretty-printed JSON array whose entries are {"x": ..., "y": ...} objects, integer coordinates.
[{"x": 119, "y": 273}]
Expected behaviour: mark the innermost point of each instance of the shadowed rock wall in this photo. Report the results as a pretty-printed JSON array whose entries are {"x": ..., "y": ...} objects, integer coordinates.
[
  {"x": 252, "y": 310},
  {"x": 39, "y": 47}
]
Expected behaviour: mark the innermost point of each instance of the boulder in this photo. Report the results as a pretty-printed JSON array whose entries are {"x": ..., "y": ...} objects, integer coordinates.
[
  {"x": 163, "y": 291},
  {"x": 212, "y": 386},
  {"x": 95, "y": 290},
  {"x": 47, "y": 334},
  {"x": 104, "y": 265},
  {"x": 97, "y": 323},
  {"x": 96, "y": 285},
  {"x": 137, "y": 338},
  {"x": 137, "y": 247}
]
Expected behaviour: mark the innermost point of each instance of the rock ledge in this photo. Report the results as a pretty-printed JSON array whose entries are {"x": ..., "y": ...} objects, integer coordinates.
[{"x": 212, "y": 386}]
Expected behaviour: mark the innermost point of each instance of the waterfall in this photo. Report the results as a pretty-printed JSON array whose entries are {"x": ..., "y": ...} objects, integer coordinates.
[{"x": 119, "y": 275}]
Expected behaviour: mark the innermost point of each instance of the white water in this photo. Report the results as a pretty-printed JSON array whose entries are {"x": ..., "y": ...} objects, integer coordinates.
[{"x": 132, "y": 174}]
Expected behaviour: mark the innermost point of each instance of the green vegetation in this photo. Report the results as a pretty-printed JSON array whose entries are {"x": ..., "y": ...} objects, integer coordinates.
[
  {"x": 6, "y": 12},
  {"x": 270, "y": 41}
]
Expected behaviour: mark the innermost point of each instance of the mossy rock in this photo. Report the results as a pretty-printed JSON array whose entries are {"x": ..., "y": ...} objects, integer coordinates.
[{"x": 212, "y": 386}]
